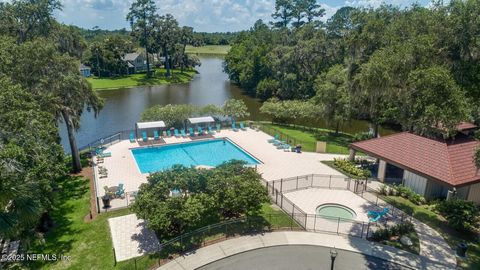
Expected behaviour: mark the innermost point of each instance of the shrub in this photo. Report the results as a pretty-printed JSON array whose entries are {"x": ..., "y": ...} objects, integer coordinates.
[
  {"x": 362, "y": 136},
  {"x": 350, "y": 168},
  {"x": 396, "y": 230},
  {"x": 383, "y": 190},
  {"x": 461, "y": 215},
  {"x": 409, "y": 194}
]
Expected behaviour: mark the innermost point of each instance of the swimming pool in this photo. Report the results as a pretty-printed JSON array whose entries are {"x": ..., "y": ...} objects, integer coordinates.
[
  {"x": 336, "y": 211},
  {"x": 210, "y": 153}
]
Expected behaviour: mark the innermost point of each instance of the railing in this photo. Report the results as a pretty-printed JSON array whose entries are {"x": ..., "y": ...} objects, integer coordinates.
[
  {"x": 215, "y": 233},
  {"x": 311, "y": 222}
]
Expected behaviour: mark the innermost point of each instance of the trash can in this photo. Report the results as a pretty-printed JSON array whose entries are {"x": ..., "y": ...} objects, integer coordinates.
[
  {"x": 298, "y": 148},
  {"x": 106, "y": 201},
  {"x": 462, "y": 249}
]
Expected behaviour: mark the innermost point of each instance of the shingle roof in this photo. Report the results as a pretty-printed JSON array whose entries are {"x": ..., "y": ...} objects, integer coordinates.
[
  {"x": 448, "y": 161},
  {"x": 130, "y": 56}
]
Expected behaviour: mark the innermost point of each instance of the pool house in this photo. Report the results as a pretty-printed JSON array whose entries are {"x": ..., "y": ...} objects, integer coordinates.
[{"x": 432, "y": 167}]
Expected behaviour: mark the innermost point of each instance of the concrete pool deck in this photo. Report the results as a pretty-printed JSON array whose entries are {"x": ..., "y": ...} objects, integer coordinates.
[{"x": 276, "y": 164}]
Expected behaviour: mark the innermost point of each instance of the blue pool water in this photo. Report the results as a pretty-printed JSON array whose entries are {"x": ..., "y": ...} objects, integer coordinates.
[{"x": 210, "y": 153}]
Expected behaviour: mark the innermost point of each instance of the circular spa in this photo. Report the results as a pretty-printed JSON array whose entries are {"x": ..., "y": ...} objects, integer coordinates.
[{"x": 336, "y": 210}]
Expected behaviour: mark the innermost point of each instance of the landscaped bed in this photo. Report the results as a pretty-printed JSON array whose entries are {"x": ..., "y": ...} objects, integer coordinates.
[{"x": 425, "y": 214}]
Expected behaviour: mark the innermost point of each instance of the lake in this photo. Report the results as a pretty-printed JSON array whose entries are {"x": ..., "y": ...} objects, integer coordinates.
[{"x": 123, "y": 107}]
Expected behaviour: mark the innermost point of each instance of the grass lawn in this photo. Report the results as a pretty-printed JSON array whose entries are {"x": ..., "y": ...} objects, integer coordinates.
[
  {"x": 88, "y": 243},
  {"x": 208, "y": 49},
  {"x": 141, "y": 80},
  {"x": 336, "y": 144},
  {"x": 425, "y": 214}
]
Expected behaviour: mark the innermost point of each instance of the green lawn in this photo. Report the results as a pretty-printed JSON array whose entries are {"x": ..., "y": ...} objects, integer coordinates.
[
  {"x": 336, "y": 144},
  {"x": 208, "y": 49},
  {"x": 141, "y": 80},
  {"x": 88, "y": 243},
  {"x": 425, "y": 214}
]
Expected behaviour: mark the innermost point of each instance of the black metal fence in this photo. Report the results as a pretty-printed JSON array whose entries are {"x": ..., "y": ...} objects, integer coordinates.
[
  {"x": 213, "y": 234},
  {"x": 319, "y": 223}
]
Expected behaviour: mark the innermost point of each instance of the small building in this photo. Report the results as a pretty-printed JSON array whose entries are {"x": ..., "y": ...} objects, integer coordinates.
[
  {"x": 85, "y": 70},
  {"x": 430, "y": 166},
  {"x": 136, "y": 62}
]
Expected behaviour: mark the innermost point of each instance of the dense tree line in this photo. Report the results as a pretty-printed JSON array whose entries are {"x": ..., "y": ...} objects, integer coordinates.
[
  {"x": 40, "y": 86},
  {"x": 416, "y": 67},
  {"x": 217, "y": 38},
  {"x": 161, "y": 35}
]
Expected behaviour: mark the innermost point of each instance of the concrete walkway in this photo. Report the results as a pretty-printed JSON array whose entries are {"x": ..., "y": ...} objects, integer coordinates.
[{"x": 231, "y": 247}]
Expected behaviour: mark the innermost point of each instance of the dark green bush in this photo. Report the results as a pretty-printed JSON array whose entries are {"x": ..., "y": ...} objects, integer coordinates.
[
  {"x": 461, "y": 215},
  {"x": 396, "y": 230}
]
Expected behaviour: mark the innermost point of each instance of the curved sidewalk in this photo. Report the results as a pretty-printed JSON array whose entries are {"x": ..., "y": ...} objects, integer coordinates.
[{"x": 234, "y": 246}]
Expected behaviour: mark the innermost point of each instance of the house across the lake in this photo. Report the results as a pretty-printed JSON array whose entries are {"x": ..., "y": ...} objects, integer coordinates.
[
  {"x": 85, "y": 71},
  {"x": 136, "y": 62},
  {"x": 430, "y": 166}
]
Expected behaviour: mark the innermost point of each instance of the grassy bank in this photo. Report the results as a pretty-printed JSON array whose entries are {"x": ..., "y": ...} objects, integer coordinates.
[
  {"x": 425, "y": 214},
  {"x": 209, "y": 49},
  {"x": 140, "y": 79},
  {"x": 88, "y": 243},
  {"x": 307, "y": 137}
]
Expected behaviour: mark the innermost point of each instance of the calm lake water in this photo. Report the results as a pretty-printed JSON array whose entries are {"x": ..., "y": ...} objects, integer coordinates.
[{"x": 123, "y": 107}]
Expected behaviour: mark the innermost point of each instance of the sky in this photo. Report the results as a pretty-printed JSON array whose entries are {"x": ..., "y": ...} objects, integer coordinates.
[{"x": 202, "y": 15}]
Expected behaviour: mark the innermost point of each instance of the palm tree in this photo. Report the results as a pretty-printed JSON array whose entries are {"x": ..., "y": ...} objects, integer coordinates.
[{"x": 72, "y": 95}]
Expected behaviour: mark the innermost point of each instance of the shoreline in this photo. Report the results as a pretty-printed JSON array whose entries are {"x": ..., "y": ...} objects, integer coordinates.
[{"x": 139, "y": 80}]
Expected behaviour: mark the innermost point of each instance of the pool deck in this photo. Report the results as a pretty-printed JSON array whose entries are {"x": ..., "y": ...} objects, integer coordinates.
[{"x": 276, "y": 164}]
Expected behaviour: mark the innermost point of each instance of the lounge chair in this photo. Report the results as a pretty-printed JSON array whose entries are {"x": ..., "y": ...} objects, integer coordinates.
[
  {"x": 210, "y": 130},
  {"x": 169, "y": 134},
  {"x": 105, "y": 154},
  {"x": 155, "y": 136},
  {"x": 234, "y": 127},
  {"x": 377, "y": 215},
  {"x": 242, "y": 127},
  {"x": 176, "y": 133},
  {"x": 144, "y": 136},
  {"x": 219, "y": 127},
  {"x": 272, "y": 140},
  {"x": 200, "y": 130},
  {"x": 120, "y": 191},
  {"x": 191, "y": 132},
  {"x": 132, "y": 137},
  {"x": 184, "y": 135}
]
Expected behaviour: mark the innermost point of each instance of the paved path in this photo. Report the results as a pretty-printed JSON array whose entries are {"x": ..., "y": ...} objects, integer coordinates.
[
  {"x": 231, "y": 247},
  {"x": 306, "y": 257},
  {"x": 131, "y": 238},
  {"x": 432, "y": 244}
]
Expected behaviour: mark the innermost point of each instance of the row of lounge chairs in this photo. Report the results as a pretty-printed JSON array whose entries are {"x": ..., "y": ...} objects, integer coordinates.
[
  {"x": 282, "y": 145},
  {"x": 178, "y": 133},
  {"x": 234, "y": 127}
]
